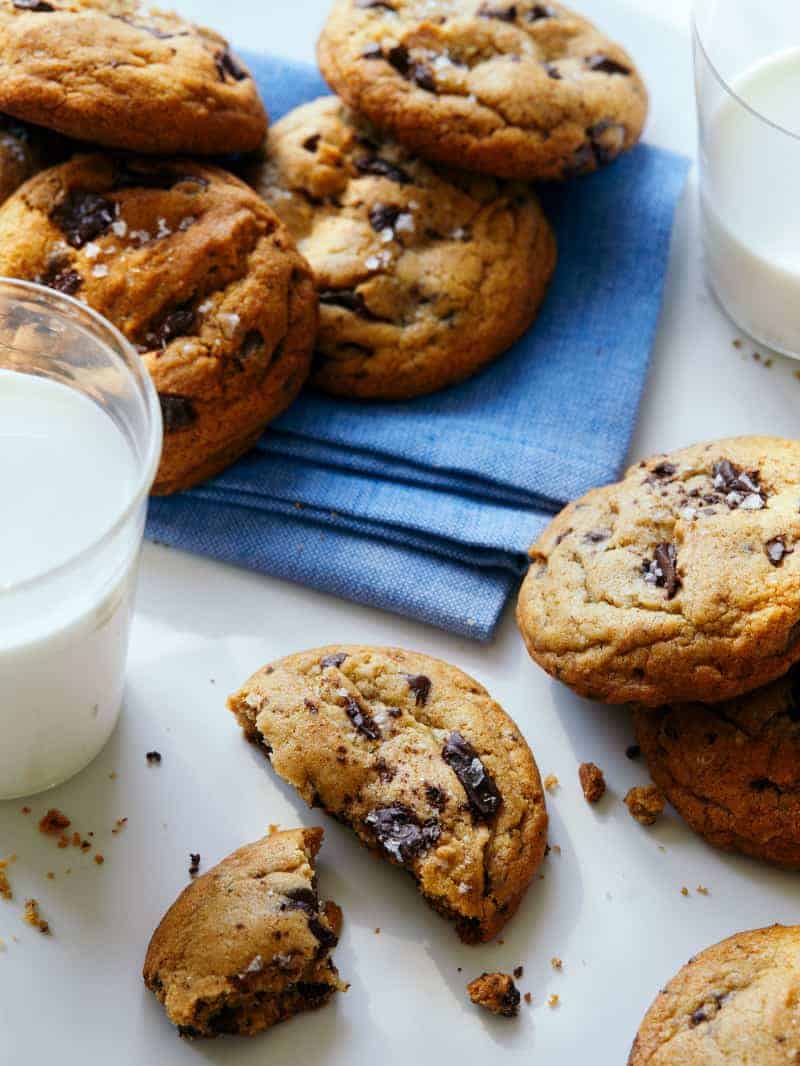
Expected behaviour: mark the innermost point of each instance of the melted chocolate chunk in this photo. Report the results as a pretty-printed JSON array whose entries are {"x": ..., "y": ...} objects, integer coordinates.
[
  {"x": 540, "y": 11},
  {"x": 81, "y": 216},
  {"x": 135, "y": 175},
  {"x": 662, "y": 569},
  {"x": 384, "y": 216},
  {"x": 33, "y": 5},
  {"x": 400, "y": 833},
  {"x": 553, "y": 72},
  {"x": 349, "y": 300},
  {"x": 605, "y": 65},
  {"x": 362, "y": 719},
  {"x": 664, "y": 470},
  {"x": 176, "y": 323},
  {"x": 583, "y": 160},
  {"x": 372, "y": 51},
  {"x": 777, "y": 549},
  {"x": 742, "y": 489},
  {"x": 382, "y": 168},
  {"x": 62, "y": 278},
  {"x": 178, "y": 412},
  {"x": 398, "y": 58},
  {"x": 336, "y": 659},
  {"x": 698, "y": 1017},
  {"x": 307, "y": 901},
  {"x": 505, "y": 14},
  {"x": 482, "y": 792},
  {"x": 253, "y": 340},
  {"x": 421, "y": 687},
  {"x": 311, "y": 144},
  {"x": 227, "y": 66}
]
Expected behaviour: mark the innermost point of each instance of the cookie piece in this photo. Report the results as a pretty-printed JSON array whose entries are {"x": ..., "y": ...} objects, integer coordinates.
[
  {"x": 593, "y": 782},
  {"x": 424, "y": 276},
  {"x": 645, "y": 803},
  {"x": 417, "y": 758},
  {"x": 113, "y": 73},
  {"x": 196, "y": 271},
  {"x": 732, "y": 770},
  {"x": 679, "y": 583},
  {"x": 495, "y": 992},
  {"x": 520, "y": 90},
  {"x": 737, "y": 1002},
  {"x": 248, "y": 944}
]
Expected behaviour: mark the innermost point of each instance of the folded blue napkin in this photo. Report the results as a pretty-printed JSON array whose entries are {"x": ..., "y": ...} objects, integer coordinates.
[{"x": 427, "y": 508}]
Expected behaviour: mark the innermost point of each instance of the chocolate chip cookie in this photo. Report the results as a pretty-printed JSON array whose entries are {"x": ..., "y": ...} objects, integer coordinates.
[
  {"x": 520, "y": 90},
  {"x": 732, "y": 769},
  {"x": 248, "y": 944},
  {"x": 737, "y": 1002},
  {"x": 495, "y": 992},
  {"x": 417, "y": 758},
  {"x": 193, "y": 267},
  {"x": 424, "y": 275},
  {"x": 681, "y": 583},
  {"x": 113, "y": 73}
]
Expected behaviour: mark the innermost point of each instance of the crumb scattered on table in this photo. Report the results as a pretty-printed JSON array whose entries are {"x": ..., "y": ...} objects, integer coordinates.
[
  {"x": 592, "y": 782},
  {"x": 684, "y": 891},
  {"x": 194, "y": 863},
  {"x": 32, "y": 917},
  {"x": 551, "y": 782},
  {"x": 153, "y": 758},
  {"x": 527, "y": 997},
  {"x": 556, "y": 963},
  {"x": 119, "y": 825},
  {"x": 646, "y": 803},
  {"x": 554, "y": 1000},
  {"x": 702, "y": 890},
  {"x": 54, "y": 822},
  {"x": 518, "y": 972},
  {"x": 5, "y": 885},
  {"x": 26, "y": 810},
  {"x": 99, "y": 859},
  {"x": 495, "y": 992}
]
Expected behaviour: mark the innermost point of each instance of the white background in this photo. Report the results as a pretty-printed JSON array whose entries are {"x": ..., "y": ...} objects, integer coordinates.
[{"x": 609, "y": 904}]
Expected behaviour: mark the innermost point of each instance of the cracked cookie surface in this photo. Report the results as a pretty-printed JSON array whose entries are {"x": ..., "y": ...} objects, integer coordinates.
[
  {"x": 114, "y": 73},
  {"x": 732, "y": 770},
  {"x": 248, "y": 944},
  {"x": 196, "y": 271},
  {"x": 737, "y": 1002},
  {"x": 425, "y": 275},
  {"x": 520, "y": 90},
  {"x": 680, "y": 583},
  {"x": 417, "y": 758}
]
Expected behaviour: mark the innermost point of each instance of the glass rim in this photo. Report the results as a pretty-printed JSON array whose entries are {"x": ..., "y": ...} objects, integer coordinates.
[
  {"x": 152, "y": 455},
  {"x": 697, "y": 5}
]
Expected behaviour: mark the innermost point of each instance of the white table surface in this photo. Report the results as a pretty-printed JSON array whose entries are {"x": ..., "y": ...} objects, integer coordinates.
[{"x": 609, "y": 904}]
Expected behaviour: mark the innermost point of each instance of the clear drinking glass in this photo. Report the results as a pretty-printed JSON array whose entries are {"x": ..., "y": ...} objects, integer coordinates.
[
  {"x": 64, "y": 627},
  {"x": 747, "y": 71}
]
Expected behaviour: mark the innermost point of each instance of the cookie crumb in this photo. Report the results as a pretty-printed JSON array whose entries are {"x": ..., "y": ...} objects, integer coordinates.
[
  {"x": 495, "y": 992},
  {"x": 194, "y": 863},
  {"x": 5, "y": 885},
  {"x": 119, "y": 825},
  {"x": 54, "y": 822},
  {"x": 378, "y": 931},
  {"x": 26, "y": 810},
  {"x": 153, "y": 758},
  {"x": 273, "y": 829},
  {"x": 684, "y": 891},
  {"x": 112, "y": 776},
  {"x": 528, "y": 997},
  {"x": 556, "y": 963},
  {"x": 633, "y": 751},
  {"x": 32, "y": 917},
  {"x": 592, "y": 782},
  {"x": 50, "y": 875},
  {"x": 702, "y": 890},
  {"x": 551, "y": 783},
  {"x": 646, "y": 803},
  {"x": 99, "y": 859},
  {"x": 518, "y": 972},
  {"x": 737, "y": 342},
  {"x": 554, "y": 1000}
]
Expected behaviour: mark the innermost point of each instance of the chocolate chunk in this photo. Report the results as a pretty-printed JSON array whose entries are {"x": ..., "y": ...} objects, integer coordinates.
[
  {"x": 400, "y": 833},
  {"x": 604, "y": 65},
  {"x": 307, "y": 901},
  {"x": 311, "y": 144},
  {"x": 130, "y": 174},
  {"x": 742, "y": 489},
  {"x": 665, "y": 469},
  {"x": 776, "y": 550},
  {"x": 662, "y": 569},
  {"x": 176, "y": 323},
  {"x": 372, "y": 51},
  {"x": 336, "y": 659},
  {"x": 178, "y": 412},
  {"x": 81, "y": 216},
  {"x": 33, "y": 5},
  {"x": 698, "y": 1017},
  {"x": 422, "y": 75},
  {"x": 538, "y": 12},
  {"x": 421, "y": 687},
  {"x": 384, "y": 216},
  {"x": 382, "y": 168},
  {"x": 349, "y": 300},
  {"x": 227, "y": 65},
  {"x": 253, "y": 340},
  {"x": 583, "y": 160},
  {"x": 597, "y": 536},
  {"x": 761, "y": 784},
  {"x": 506, "y": 14},
  {"x": 608, "y": 140},
  {"x": 362, "y": 719},
  {"x": 397, "y": 57},
  {"x": 482, "y": 792},
  {"x": 62, "y": 278},
  {"x": 436, "y": 797},
  {"x": 153, "y": 757},
  {"x": 371, "y": 4},
  {"x": 194, "y": 863},
  {"x": 553, "y": 72}
]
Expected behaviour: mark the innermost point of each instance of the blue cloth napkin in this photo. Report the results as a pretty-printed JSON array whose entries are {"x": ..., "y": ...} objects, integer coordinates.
[{"x": 427, "y": 508}]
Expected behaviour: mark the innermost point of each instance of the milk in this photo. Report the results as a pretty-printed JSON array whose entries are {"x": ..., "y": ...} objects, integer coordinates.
[
  {"x": 67, "y": 474},
  {"x": 751, "y": 201}
]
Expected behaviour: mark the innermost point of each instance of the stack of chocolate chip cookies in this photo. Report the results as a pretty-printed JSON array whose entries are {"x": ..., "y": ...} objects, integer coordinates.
[{"x": 392, "y": 231}]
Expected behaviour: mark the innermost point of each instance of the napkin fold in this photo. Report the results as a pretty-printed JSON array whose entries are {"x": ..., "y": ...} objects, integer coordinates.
[{"x": 427, "y": 508}]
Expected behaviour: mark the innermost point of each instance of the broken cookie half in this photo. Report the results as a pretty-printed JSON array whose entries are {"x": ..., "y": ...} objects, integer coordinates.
[
  {"x": 248, "y": 944},
  {"x": 419, "y": 760}
]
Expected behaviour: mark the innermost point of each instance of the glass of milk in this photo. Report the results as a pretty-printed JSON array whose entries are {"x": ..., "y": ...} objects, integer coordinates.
[
  {"x": 80, "y": 440},
  {"x": 747, "y": 68}
]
